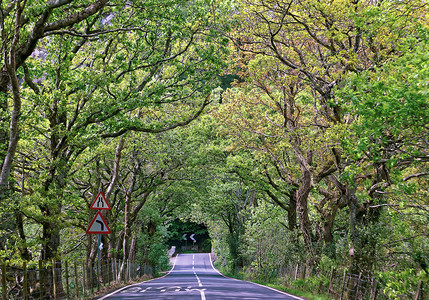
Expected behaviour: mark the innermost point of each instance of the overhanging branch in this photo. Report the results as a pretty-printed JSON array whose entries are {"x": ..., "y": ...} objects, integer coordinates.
[{"x": 161, "y": 129}]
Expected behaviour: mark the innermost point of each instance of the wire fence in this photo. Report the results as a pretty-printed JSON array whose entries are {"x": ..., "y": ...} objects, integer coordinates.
[
  {"x": 340, "y": 284},
  {"x": 65, "y": 280}
]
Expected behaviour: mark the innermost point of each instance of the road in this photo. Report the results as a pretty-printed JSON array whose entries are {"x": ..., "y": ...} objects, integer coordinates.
[{"x": 193, "y": 277}]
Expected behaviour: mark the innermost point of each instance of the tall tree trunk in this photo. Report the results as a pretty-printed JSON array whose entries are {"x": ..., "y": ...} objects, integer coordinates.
[
  {"x": 11, "y": 66},
  {"x": 23, "y": 249},
  {"x": 302, "y": 194},
  {"x": 49, "y": 251},
  {"x": 291, "y": 209},
  {"x": 126, "y": 229},
  {"x": 302, "y": 207},
  {"x": 109, "y": 192},
  {"x": 90, "y": 261},
  {"x": 132, "y": 252},
  {"x": 328, "y": 237},
  {"x": 127, "y": 217},
  {"x": 51, "y": 210}
]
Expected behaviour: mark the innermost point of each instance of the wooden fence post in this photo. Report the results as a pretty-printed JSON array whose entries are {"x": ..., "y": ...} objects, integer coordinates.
[
  {"x": 116, "y": 271},
  {"x": 373, "y": 289},
  {"x": 331, "y": 278},
  {"x": 134, "y": 269},
  {"x": 3, "y": 280},
  {"x": 25, "y": 280},
  {"x": 296, "y": 271},
  {"x": 84, "y": 279},
  {"x": 67, "y": 280},
  {"x": 358, "y": 284},
  {"x": 112, "y": 261},
  {"x": 129, "y": 269},
  {"x": 111, "y": 271},
  {"x": 108, "y": 273},
  {"x": 126, "y": 269},
  {"x": 123, "y": 270},
  {"x": 41, "y": 280},
  {"x": 343, "y": 285},
  {"x": 76, "y": 280},
  {"x": 419, "y": 288},
  {"x": 90, "y": 288},
  {"x": 53, "y": 279}
]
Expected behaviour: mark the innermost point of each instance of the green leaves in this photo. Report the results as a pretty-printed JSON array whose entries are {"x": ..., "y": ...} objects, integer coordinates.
[{"x": 391, "y": 103}]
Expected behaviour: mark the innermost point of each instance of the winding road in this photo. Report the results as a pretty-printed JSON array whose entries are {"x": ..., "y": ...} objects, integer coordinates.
[{"x": 193, "y": 277}]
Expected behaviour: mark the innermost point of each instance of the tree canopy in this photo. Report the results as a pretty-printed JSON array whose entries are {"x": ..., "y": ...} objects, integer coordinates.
[{"x": 287, "y": 129}]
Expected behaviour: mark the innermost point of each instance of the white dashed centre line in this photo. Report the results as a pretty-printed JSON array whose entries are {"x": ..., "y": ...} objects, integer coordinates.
[{"x": 203, "y": 296}]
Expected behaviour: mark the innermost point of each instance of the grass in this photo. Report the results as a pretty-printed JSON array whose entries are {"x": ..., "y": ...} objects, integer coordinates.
[{"x": 281, "y": 287}]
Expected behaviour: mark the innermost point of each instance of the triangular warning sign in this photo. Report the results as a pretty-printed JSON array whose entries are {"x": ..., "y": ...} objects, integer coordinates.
[
  {"x": 100, "y": 202},
  {"x": 98, "y": 225}
]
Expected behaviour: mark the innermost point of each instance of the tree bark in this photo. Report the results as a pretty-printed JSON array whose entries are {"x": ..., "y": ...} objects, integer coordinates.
[
  {"x": 23, "y": 249},
  {"x": 302, "y": 207},
  {"x": 132, "y": 252},
  {"x": 291, "y": 210},
  {"x": 11, "y": 66},
  {"x": 109, "y": 192}
]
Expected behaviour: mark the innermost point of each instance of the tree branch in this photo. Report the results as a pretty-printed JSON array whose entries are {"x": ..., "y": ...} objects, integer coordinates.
[
  {"x": 416, "y": 175},
  {"x": 76, "y": 18},
  {"x": 161, "y": 129}
]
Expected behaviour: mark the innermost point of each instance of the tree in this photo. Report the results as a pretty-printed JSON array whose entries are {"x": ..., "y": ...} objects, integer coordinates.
[
  {"x": 321, "y": 43},
  {"x": 93, "y": 74},
  {"x": 391, "y": 109},
  {"x": 22, "y": 27}
]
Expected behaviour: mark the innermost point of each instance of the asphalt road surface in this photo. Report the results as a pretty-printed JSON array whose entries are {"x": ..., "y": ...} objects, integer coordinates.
[{"x": 193, "y": 277}]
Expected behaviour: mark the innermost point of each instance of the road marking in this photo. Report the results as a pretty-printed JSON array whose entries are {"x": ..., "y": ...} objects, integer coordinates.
[
  {"x": 175, "y": 288},
  {"x": 270, "y": 288},
  {"x": 203, "y": 295},
  {"x": 125, "y": 287},
  {"x": 146, "y": 289},
  {"x": 131, "y": 290},
  {"x": 198, "y": 279}
]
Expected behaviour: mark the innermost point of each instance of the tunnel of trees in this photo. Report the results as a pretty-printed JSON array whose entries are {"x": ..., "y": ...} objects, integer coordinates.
[{"x": 282, "y": 134}]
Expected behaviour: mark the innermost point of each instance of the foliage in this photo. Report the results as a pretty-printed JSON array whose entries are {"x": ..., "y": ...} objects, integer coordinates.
[
  {"x": 152, "y": 248},
  {"x": 270, "y": 246},
  {"x": 295, "y": 132},
  {"x": 400, "y": 284},
  {"x": 391, "y": 105}
]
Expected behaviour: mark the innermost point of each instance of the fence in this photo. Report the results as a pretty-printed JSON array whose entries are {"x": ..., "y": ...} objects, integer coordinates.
[
  {"x": 340, "y": 284},
  {"x": 61, "y": 280}
]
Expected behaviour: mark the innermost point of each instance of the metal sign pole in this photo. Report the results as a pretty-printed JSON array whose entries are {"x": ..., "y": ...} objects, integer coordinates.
[
  {"x": 99, "y": 258},
  {"x": 98, "y": 225}
]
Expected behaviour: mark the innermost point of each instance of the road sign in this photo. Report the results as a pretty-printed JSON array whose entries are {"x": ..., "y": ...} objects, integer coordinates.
[
  {"x": 192, "y": 238},
  {"x": 100, "y": 202},
  {"x": 184, "y": 237},
  {"x": 98, "y": 225}
]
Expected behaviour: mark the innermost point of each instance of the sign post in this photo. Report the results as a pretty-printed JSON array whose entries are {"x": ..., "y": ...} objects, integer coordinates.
[{"x": 98, "y": 225}]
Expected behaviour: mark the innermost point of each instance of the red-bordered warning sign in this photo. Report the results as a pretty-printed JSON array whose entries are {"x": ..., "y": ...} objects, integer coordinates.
[
  {"x": 100, "y": 202},
  {"x": 98, "y": 225}
]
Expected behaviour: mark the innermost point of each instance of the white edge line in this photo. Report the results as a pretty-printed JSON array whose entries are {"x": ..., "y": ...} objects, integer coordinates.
[
  {"x": 270, "y": 288},
  {"x": 125, "y": 287}
]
